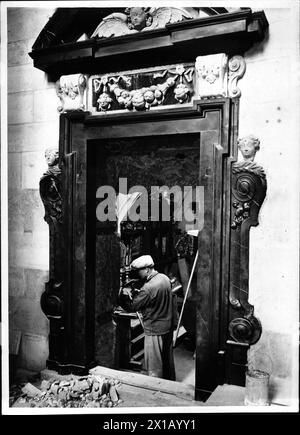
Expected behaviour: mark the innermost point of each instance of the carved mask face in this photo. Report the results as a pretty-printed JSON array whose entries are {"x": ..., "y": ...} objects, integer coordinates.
[
  {"x": 247, "y": 148},
  {"x": 51, "y": 156},
  {"x": 104, "y": 101},
  {"x": 138, "y": 18}
]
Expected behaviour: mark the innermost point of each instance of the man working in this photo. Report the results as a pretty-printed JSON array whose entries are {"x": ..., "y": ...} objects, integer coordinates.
[{"x": 155, "y": 301}]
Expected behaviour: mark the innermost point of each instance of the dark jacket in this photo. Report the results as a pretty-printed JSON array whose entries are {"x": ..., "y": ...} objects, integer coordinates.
[{"x": 156, "y": 303}]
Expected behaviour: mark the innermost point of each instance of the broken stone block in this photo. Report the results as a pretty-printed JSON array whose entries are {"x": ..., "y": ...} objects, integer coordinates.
[
  {"x": 113, "y": 393},
  {"x": 45, "y": 385},
  {"x": 89, "y": 396},
  {"x": 63, "y": 394},
  {"x": 95, "y": 394},
  {"x": 96, "y": 386},
  {"x": 54, "y": 388},
  {"x": 30, "y": 390},
  {"x": 84, "y": 385},
  {"x": 90, "y": 381},
  {"x": 92, "y": 404},
  {"x": 64, "y": 384},
  {"x": 74, "y": 394},
  {"x": 105, "y": 387}
]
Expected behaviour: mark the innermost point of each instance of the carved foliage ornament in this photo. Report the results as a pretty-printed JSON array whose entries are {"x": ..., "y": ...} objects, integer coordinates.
[
  {"x": 50, "y": 187},
  {"x": 50, "y": 192},
  {"x": 137, "y": 19},
  {"x": 121, "y": 92},
  {"x": 70, "y": 90},
  {"x": 211, "y": 75},
  {"x": 217, "y": 76},
  {"x": 249, "y": 176}
]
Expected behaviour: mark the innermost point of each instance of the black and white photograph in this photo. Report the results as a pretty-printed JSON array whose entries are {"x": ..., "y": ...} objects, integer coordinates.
[{"x": 150, "y": 210}]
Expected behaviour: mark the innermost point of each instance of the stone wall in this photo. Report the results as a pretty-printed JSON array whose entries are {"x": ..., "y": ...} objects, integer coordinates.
[
  {"x": 32, "y": 127},
  {"x": 270, "y": 109}
]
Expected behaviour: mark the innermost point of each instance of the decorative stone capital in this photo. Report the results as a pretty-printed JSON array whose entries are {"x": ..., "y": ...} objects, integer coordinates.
[
  {"x": 71, "y": 90},
  {"x": 211, "y": 75},
  {"x": 217, "y": 76}
]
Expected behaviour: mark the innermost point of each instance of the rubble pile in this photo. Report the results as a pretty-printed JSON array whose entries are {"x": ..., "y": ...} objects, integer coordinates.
[{"x": 88, "y": 391}]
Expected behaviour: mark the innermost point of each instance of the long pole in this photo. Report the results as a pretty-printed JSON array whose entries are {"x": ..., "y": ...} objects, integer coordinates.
[{"x": 185, "y": 297}]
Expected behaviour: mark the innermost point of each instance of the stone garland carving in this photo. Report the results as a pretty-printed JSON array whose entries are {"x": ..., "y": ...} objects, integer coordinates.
[
  {"x": 116, "y": 92},
  {"x": 70, "y": 90},
  {"x": 216, "y": 76},
  {"x": 50, "y": 192},
  {"x": 138, "y": 19},
  {"x": 248, "y": 193}
]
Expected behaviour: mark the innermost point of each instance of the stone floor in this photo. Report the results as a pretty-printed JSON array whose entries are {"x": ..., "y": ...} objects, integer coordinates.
[
  {"x": 139, "y": 390},
  {"x": 184, "y": 364}
]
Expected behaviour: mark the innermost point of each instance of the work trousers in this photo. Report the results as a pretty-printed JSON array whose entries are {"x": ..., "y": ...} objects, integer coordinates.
[{"x": 158, "y": 356}]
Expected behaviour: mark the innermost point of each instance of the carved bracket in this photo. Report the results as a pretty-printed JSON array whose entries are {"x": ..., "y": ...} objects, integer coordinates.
[
  {"x": 237, "y": 68},
  {"x": 217, "y": 76},
  {"x": 70, "y": 90},
  {"x": 248, "y": 193}
]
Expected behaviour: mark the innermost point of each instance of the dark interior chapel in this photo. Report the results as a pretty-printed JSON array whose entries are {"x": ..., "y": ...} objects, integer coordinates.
[{"x": 183, "y": 132}]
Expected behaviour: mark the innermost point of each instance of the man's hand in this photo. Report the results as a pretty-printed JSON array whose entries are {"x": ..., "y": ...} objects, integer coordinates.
[{"x": 126, "y": 291}]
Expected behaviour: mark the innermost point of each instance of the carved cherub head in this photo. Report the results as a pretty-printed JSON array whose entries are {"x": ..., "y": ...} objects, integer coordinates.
[
  {"x": 181, "y": 92},
  {"x": 104, "y": 101},
  {"x": 138, "y": 18},
  {"x": 51, "y": 156},
  {"x": 248, "y": 145}
]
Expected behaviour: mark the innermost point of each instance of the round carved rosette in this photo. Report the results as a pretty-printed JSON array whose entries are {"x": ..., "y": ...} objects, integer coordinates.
[
  {"x": 245, "y": 330},
  {"x": 51, "y": 303},
  {"x": 244, "y": 188}
]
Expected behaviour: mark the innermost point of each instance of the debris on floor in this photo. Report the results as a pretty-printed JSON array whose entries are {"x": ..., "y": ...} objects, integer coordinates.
[{"x": 90, "y": 391}]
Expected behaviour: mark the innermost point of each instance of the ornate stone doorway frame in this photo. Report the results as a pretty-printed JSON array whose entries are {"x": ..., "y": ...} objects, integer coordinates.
[
  {"x": 221, "y": 354},
  {"x": 226, "y": 325}
]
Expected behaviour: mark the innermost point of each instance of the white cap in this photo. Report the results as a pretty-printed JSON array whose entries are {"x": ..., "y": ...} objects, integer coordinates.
[{"x": 142, "y": 262}]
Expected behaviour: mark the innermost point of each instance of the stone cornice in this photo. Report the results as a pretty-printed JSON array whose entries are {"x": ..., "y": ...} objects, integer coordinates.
[{"x": 231, "y": 33}]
